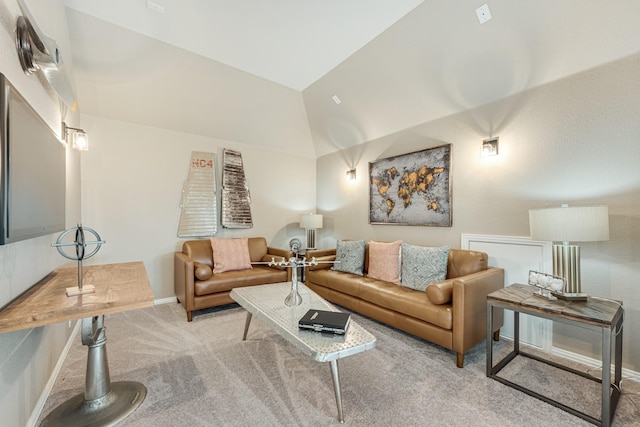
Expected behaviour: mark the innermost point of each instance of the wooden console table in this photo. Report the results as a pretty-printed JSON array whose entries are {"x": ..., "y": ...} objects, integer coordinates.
[
  {"x": 596, "y": 314},
  {"x": 118, "y": 287}
]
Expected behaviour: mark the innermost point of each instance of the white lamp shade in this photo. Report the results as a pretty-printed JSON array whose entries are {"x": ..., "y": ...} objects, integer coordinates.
[
  {"x": 310, "y": 221},
  {"x": 570, "y": 224}
]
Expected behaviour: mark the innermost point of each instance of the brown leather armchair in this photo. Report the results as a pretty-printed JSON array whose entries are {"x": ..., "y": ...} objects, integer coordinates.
[{"x": 195, "y": 294}]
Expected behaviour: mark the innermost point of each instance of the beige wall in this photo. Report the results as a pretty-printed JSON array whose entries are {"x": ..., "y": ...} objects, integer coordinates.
[
  {"x": 28, "y": 357},
  {"x": 573, "y": 141},
  {"x": 132, "y": 180}
]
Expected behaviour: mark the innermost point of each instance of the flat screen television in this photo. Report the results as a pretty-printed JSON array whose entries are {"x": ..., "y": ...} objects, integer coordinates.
[{"x": 33, "y": 171}]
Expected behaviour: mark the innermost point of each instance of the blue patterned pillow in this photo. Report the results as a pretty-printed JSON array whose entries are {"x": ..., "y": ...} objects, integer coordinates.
[
  {"x": 350, "y": 254},
  {"x": 422, "y": 266}
]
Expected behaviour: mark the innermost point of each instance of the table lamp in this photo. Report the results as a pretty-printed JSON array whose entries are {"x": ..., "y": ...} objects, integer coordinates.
[
  {"x": 569, "y": 224},
  {"x": 310, "y": 222}
]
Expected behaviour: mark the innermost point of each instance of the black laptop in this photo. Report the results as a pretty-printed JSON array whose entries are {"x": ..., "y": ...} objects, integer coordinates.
[{"x": 325, "y": 321}]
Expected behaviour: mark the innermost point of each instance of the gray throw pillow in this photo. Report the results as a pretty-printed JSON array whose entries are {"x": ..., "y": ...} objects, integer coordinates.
[
  {"x": 422, "y": 266},
  {"x": 350, "y": 256}
]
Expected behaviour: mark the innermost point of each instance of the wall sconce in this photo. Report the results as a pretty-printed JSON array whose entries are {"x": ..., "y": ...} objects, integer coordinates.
[
  {"x": 351, "y": 175},
  {"x": 76, "y": 137},
  {"x": 310, "y": 222},
  {"x": 490, "y": 147}
]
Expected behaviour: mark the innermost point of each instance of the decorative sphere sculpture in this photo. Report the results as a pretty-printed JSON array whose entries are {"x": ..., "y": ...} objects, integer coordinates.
[{"x": 80, "y": 243}]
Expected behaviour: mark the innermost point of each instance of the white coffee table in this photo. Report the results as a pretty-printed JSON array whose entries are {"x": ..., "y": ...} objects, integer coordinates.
[{"x": 267, "y": 303}]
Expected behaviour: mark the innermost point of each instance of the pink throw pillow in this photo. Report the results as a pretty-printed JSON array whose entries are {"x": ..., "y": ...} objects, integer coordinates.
[
  {"x": 230, "y": 254},
  {"x": 384, "y": 261}
]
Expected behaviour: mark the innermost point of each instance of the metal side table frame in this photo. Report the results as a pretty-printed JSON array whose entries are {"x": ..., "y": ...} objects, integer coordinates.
[{"x": 611, "y": 328}]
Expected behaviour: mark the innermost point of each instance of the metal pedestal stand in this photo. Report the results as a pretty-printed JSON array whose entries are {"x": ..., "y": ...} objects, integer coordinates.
[
  {"x": 102, "y": 403},
  {"x": 294, "y": 298}
]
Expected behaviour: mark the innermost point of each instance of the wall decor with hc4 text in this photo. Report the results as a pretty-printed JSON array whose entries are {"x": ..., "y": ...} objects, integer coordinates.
[
  {"x": 199, "y": 212},
  {"x": 412, "y": 189}
]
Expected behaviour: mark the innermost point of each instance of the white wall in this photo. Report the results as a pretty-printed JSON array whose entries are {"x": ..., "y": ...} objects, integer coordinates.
[
  {"x": 573, "y": 141},
  {"x": 132, "y": 180},
  {"x": 28, "y": 357}
]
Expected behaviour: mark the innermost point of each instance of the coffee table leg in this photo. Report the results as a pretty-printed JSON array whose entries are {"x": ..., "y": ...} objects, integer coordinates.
[
  {"x": 336, "y": 388},
  {"x": 246, "y": 326}
]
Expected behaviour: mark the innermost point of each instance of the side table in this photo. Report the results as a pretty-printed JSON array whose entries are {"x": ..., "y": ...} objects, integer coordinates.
[{"x": 597, "y": 314}]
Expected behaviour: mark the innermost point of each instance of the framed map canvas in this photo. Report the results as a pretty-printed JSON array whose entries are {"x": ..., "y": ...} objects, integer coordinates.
[{"x": 412, "y": 189}]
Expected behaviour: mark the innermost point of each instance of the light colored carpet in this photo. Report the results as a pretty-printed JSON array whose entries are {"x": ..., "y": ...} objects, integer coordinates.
[{"x": 202, "y": 374}]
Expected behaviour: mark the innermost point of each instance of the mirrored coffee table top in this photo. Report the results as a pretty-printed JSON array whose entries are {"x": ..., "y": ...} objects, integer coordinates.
[{"x": 266, "y": 302}]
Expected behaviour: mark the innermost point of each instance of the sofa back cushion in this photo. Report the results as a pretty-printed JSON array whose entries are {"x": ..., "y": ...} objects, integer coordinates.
[
  {"x": 463, "y": 262},
  {"x": 257, "y": 248},
  {"x": 199, "y": 251}
]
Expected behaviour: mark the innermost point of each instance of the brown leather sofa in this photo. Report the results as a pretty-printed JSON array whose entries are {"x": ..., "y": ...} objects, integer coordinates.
[
  {"x": 195, "y": 294},
  {"x": 452, "y": 313}
]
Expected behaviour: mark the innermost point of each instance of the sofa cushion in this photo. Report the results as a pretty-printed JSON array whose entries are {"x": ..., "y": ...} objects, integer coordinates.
[
  {"x": 230, "y": 254},
  {"x": 422, "y": 266},
  {"x": 202, "y": 271},
  {"x": 384, "y": 261},
  {"x": 463, "y": 262},
  {"x": 406, "y": 301},
  {"x": 401, "y": 299},
  {"x": 350, "y": 256},
  {"x": 224, "y": 282}
]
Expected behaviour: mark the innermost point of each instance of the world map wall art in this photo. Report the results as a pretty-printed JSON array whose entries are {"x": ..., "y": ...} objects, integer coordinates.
[{"x": 412, "y": 189}]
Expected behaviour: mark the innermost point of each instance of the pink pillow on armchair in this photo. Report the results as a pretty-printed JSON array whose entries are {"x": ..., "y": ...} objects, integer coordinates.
[
  {"x": 384, "y": 261},
  {"x": 230, "y": 254}
]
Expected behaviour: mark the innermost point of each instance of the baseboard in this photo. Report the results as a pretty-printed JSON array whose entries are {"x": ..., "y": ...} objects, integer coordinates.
[
  {"x": 37, "y": 410},
  {"x": 165, "y": 300},
  {"x": 579, "y": 358},
  {"x": 591, "y": 362}
]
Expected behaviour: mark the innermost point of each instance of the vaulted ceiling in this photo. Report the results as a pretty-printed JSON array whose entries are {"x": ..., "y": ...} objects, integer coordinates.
[{"x": 264, "y": 72}]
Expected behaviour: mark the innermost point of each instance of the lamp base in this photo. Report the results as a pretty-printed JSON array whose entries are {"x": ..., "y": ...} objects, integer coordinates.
[
  {"x": 311, "y": 238},
  {"x": 566, "y": 263}
]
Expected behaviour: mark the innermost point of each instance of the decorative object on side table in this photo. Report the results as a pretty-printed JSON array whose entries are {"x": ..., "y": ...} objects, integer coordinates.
[
  {"x": 80, "y": 244},
  {"x": 551, "y": 287},
  {"x": 295, "y": 245}
]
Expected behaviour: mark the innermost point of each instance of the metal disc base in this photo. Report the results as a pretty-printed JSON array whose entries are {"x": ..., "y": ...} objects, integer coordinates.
[{"x": 108, "y": 410}]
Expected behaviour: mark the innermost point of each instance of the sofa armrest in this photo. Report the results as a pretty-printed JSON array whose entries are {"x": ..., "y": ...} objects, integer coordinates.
[
  {"x": 470, "y": 307},
  {"x": 183, "y": 281}
]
